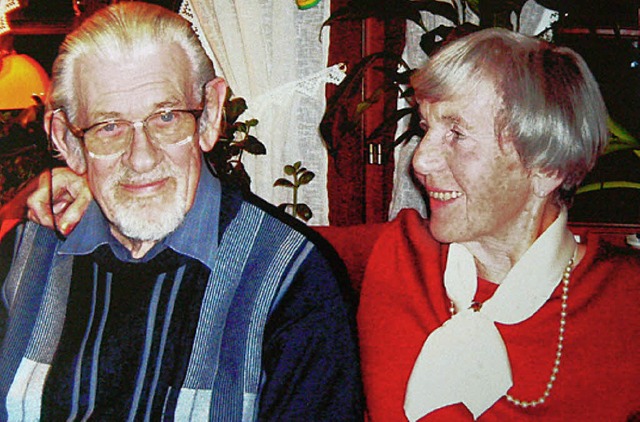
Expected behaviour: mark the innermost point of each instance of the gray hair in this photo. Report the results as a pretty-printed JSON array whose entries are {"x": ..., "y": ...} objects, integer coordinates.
[
  {"x": 550, "y": 105},
  {"x": 119, "y": 32}
]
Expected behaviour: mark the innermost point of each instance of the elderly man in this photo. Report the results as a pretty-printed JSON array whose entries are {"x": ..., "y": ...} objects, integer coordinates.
[{"x": 175, "y": 296}]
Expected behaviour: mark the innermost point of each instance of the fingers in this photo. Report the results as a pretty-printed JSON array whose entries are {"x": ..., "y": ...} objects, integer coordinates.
[
  {"x": 72, "y": 205},
  {"x": 62, "y": 208}
]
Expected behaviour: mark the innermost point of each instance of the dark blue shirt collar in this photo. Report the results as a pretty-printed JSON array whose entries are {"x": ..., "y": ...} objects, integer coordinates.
[{"x": 196, "y": 237}]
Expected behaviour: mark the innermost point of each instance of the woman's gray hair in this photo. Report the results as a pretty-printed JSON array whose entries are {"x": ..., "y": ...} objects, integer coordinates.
[
  {"x": 119, "y": 32},
  {"x": 550, "y": 105}
]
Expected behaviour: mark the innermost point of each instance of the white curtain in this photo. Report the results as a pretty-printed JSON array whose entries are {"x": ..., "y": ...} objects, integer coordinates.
[
  {"x": 533, "y": 20},
  {"x": 272, "y": 55}
]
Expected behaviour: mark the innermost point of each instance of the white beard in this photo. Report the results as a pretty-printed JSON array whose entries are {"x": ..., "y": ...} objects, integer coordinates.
[
  {"x": 135, "y": 221},
  {"x": 149, "y": 218}
]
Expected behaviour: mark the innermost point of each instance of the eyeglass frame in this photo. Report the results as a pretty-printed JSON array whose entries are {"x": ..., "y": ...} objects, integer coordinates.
[{"x": 79, "y": 132}]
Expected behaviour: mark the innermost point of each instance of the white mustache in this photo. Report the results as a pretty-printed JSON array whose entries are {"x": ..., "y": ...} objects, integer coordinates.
[
  {"x": 127, "y": 180},
  {"x": 129, "y": 177}
]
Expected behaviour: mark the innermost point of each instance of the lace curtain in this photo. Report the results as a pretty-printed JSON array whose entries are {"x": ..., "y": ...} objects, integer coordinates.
[
  {"x": 533, "y": 20},
  {"x": 272, "y": 55}
]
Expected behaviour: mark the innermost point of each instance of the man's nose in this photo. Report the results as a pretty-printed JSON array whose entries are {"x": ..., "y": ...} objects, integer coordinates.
[{"x": 143, "y": 155}]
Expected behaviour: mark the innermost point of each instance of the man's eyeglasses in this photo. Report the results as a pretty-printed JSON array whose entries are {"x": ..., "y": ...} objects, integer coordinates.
[{"x": 113, "y": 137}]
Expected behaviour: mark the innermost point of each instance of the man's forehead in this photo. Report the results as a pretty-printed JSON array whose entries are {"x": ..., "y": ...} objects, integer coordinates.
[{"x": 133, "y": 88}]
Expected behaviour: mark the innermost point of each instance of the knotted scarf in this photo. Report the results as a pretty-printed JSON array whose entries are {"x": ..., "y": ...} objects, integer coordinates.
[{"x": 465, "y": 360}]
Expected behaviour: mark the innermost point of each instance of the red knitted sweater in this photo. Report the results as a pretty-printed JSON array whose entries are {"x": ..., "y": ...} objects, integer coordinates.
[{"x": 403, "y": 300}]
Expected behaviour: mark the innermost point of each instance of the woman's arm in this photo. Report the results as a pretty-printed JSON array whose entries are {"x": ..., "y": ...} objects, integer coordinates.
[{"x": 59, "y": 208}]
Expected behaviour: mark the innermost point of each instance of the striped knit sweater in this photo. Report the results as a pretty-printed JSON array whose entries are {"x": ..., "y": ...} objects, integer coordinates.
[{"x": 263, "y": 334}]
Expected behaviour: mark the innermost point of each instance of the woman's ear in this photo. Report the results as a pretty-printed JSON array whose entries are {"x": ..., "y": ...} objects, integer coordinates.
[
  {"x": 545, "y": 182},
  {"x": 211, "y": 124},
  {"x": 56, "y": 128}
]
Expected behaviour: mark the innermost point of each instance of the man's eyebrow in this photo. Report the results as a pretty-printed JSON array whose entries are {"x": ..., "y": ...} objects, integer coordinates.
[
  {"x": 167, "y": 104},
  {"x": 101, "y": 116}
]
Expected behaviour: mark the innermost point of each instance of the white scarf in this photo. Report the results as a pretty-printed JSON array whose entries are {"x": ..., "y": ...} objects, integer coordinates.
[{"x": 465, "y": 360}]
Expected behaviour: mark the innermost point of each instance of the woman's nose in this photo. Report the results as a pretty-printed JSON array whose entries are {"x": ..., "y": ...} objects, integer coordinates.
[{"x": 429, "y": 156}]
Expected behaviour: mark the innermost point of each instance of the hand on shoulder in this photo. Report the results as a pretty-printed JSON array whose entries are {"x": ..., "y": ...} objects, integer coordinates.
[{"x": 60, "y": 199}]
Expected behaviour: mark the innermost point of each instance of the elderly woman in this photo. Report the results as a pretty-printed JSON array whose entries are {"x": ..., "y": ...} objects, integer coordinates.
[{"x": 490, "y": 309}]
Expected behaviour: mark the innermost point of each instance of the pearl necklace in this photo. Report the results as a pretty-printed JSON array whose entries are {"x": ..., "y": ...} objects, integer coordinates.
[{"x": 556, "y": 364}]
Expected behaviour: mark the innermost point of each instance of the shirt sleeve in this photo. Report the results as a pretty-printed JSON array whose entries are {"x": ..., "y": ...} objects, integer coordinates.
[{"x": 310, "y": 359}]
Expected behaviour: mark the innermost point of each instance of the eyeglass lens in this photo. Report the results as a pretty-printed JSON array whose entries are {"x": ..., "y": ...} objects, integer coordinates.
[{"x": 165, "y": 128}]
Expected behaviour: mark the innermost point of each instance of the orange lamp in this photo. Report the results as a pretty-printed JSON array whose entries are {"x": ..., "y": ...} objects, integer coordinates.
[{"x": 21, "y": 77}]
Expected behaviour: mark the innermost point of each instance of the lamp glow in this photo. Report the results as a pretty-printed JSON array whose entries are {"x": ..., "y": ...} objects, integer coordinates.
[{"x": 21, "y": 77}]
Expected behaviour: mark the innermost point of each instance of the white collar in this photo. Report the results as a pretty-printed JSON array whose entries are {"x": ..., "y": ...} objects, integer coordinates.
[{"x": 465, "y": 360}]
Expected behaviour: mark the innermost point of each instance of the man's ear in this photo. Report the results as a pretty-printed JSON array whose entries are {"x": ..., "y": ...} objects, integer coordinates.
[
  {"x": 545, "y": 182},
  {"x": 211, "y": 124},
  {"x": 56, "y": 128}
]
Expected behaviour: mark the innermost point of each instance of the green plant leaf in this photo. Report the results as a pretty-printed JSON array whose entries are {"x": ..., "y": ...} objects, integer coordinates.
[
  {"x": 253, "y": 146},
  {"x": 432, "y": 40},
  {"x": 303, "y": 211},
  {"x": 242, "y": 127},
  {"x": 338, "y": 119},
  {"x": 283, "y": 182},
  {"x": 289, "y": 170},
  {"x": 428, "y": 40},
  {"x": 614, "y": 184},
  {"x": 233, "y": 150},
  {"x": 361, "y": 108},
  {"x": 385, "y": 9},
  {"x": 297, "y": 165},
  {"x": 371, "y": 100},
  {"x": 234, "y": 108},
  {"x": 356, "y": 10},
  {"x": 440, "y": 8},
  {"x": 402, "y": 77},
  {"x": 306, "y": 177},
  {"x": 390, "y": 123},
  {"x": 474, "y": 5},
  {"x": 621, "y": 139},
  {"x": 615, "y": 145}
]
